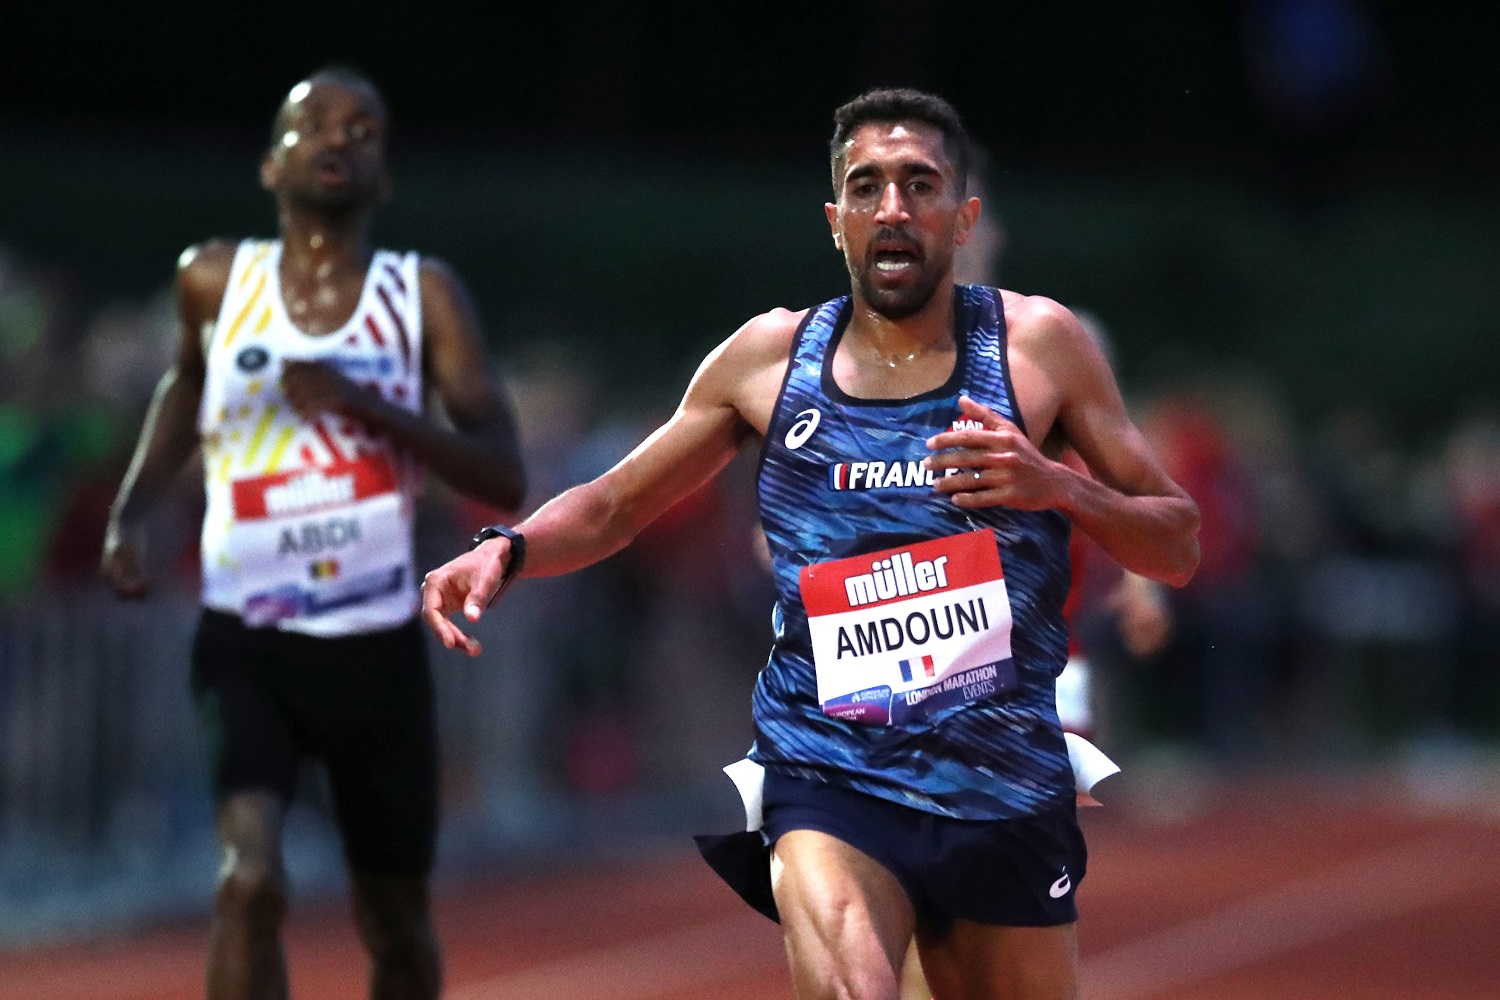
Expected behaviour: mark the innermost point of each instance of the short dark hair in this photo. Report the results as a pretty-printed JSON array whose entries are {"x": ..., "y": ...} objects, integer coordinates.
[
  {"x": 340, "y": 73},
  {"x": 889, "y": 105}
]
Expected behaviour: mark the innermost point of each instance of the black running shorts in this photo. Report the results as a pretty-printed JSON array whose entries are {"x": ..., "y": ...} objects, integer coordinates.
[
  {"x": 1020, "y": 872},
  {"x": 363, "y": 704}
]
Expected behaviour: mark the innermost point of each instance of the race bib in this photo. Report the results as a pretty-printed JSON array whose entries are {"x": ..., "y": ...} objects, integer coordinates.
[
  {"x": 313, "y": 541},
  {"x": 901, "y": 634}
]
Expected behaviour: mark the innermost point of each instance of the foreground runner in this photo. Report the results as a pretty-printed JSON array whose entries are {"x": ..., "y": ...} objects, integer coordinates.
[
  {"x": 302, "y": 368},
  {"x": 916, "y": 773}
]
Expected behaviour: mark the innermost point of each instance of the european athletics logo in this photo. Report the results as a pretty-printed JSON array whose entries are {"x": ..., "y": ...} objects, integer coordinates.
[{"x": 924, "y": 664}]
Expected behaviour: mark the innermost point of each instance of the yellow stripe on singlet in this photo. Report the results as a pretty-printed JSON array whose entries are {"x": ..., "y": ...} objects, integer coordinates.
[
  {"x": 224, "y": 468},
  {"x": 259, "y": 256},
  {"x": 262, "y": 427},
  {"x": 239, "y": 321},
  {"x": 263, "y": 322},
  {"x": 282, "y": 440}
]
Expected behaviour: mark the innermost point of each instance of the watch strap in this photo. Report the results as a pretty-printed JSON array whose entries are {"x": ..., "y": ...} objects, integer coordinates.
[{"x": 517, "y": 560}]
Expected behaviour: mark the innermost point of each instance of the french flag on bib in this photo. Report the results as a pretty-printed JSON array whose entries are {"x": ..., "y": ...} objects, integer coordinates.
[{"x": 910, "y": 668}]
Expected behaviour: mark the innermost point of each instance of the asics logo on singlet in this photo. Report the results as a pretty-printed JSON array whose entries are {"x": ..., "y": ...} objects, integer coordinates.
[{"x": 807, "y": 422}]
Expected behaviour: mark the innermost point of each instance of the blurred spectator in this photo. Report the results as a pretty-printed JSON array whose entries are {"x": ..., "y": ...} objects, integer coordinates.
[
  {"x": 1216, "y": 679},
  {"x": 1471, "y": 464},
  {"x": 1378, "y": 600},
  {"x": 117, "y": 364},
  {"x": 50, "y": 433}
]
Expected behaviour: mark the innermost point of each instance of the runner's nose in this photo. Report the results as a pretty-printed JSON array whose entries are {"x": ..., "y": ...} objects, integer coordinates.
[{"x": 892, "y": 207}]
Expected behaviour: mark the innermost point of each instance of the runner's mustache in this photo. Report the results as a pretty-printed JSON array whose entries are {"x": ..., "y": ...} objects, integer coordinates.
[{"x": 895, "y": 234}]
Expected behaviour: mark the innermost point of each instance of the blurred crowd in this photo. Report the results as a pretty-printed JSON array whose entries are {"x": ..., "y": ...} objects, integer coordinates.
[{"x": 1348, "y": 598}]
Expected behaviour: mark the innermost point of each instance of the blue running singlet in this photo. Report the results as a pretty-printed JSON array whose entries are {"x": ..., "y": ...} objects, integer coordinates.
[{"x": 916, "y": 642}]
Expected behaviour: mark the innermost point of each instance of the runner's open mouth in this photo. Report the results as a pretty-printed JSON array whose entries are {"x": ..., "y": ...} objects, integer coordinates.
[{"x": 895, "y": 257}]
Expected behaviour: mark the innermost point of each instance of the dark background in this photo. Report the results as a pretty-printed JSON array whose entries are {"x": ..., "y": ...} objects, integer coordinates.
[
  {"x": 1048, "y": 85},
  {"x": 1273, "y": 187}
]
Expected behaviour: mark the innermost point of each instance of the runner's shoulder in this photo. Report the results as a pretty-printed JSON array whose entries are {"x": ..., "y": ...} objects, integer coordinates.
[
  {"x": 203, "y": 271},
  {"x": 203, "y": 268},
  {"x": 765, "y": 339},
  {"x": 1037, "y": 315},
  {"x": 1035, "y": 323},
  {"x": 437, "y": 276}
]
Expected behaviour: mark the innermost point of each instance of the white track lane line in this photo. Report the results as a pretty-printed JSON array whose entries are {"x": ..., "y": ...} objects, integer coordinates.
[
  {"x": 700, "y": 955},
  {"x": 1289, "y": 916}
]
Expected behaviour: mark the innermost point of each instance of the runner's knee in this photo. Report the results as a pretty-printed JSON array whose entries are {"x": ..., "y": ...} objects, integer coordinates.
[
  {"x": 252, "y": 893},
  {"x": 837, "y": 953},
  {"x": 850, "y": 983}
]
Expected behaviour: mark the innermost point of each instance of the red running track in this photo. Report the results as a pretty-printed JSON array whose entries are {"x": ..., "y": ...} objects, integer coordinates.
[{"x": 1272, "y": 891}]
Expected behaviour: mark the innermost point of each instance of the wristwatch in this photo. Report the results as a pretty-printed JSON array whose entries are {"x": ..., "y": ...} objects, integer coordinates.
[{"x": 517, "y": 558}]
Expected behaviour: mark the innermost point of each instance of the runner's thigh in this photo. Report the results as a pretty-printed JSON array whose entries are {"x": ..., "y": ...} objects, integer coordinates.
[
  {"x": 237, "y": 684},
  {"x": 845, "y": 917},
  {"x": 975, "y": 961},
  {"x": 382, "y": 754}
]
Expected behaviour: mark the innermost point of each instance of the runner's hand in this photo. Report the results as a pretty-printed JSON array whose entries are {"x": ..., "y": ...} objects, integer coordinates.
[
  {"x": 314, "y": 388},
  {"x": 1145, "y": 617},
  {"x": 120, "y": 566},
  {"x": 467, "y": 583},
  {"x": 998, "y": 466}
]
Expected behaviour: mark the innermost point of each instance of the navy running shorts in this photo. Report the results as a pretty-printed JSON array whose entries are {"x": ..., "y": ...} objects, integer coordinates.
[
  {"x": 363, "y": 704},
  {"x": 1012, "y": 872}
]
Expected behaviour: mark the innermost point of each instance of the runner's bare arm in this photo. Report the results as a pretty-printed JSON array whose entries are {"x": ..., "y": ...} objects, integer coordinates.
[
  {"x": 480, "y": 456},
  {"x": 729, "y": 400},
  {"x": 1129, "y": 505},
  {"x": 170, "y": 431}
]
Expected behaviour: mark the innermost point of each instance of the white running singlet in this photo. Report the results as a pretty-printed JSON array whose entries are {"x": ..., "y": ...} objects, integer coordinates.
[{"x": 309, "y": 523}]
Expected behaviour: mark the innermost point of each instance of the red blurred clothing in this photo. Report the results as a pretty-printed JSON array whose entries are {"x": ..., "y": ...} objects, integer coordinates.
[{"x": 1197, "y": 453}]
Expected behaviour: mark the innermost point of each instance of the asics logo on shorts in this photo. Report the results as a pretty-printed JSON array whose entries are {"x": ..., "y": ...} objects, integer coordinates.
[
  {"x": 807, "y": 422},
  {"x": 1060, "y": 888}
]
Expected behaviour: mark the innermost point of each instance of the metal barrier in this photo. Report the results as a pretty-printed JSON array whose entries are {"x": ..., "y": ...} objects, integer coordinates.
[
  {"x": 105, "y": 814},
  {"x": 97, "y": 739}
]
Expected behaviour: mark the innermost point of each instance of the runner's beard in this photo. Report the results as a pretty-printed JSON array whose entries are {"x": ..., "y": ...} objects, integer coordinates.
[
  {"x": 899, "y": 303},
  {"x": 349, "y": 200},
  {"x": 359, "y": 193}
]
